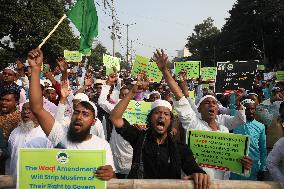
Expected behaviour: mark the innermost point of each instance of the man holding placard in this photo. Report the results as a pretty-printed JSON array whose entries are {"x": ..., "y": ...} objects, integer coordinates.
[
  {"x": 208, "y": 109},
  {"x": 156, "y": 155},
  {"x": 78, "y": 135}
]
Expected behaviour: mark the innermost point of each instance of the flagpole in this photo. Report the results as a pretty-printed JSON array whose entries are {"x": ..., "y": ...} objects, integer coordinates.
[{"x": 53, "y": 30}]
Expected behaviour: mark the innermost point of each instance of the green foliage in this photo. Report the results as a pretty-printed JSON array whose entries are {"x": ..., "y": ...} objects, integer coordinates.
[
  {"x": 28, "y": 22},
  {"x": 96, "y": 58},
  {"x": 201, "y": 43}
]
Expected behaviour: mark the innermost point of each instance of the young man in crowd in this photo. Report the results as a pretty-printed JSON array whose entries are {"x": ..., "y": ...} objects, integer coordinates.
[
  {"x": 155, "y": 154},
  {"x": 77, "y": 135},
  {"x": 208, "y": 109},
  {"x": 257, "y": 150},
  {"x": 10, "y": 117}
]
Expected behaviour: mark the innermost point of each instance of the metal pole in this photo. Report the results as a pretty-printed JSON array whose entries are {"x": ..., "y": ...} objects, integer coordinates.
[
  {"x": 113, "y": 29},
  {"x": 127, "y": 49}
]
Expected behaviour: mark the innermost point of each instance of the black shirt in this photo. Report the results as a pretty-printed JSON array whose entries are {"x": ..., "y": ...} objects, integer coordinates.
[{"x": 164, "y": 161}]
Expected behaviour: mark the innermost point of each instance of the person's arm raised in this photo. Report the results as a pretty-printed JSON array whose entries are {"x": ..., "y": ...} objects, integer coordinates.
[
  {"x": 117, "y": 112},
  {"x": 45, "y": 119},
  {"x": 161, "y": 60}
]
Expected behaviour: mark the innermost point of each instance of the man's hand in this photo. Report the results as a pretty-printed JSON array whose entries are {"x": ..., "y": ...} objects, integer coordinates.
[
  {"x": 246, "y": 161},
  {"x": 183, "y": 75},
  {"x": 105, "y": 172},
  {"x": 65, "y": 91},
  {"x": 161, "y": 60},
  {"x": 35, "y": 58},
  {"x": 63, "y": 66},
  {"x": 201, "y": 181}
]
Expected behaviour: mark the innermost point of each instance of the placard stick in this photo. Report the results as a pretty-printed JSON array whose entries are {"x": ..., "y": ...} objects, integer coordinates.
[{"x": 50, "y": 33}]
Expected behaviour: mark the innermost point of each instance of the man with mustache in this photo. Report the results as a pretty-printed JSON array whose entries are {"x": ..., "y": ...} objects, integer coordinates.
[
  {"x": 155, "y": 154},
  {"x": 207, "y": 107},
  {"x": 10, "y": 117},
  {"x": 27, "y": 135},
  {"x": 78, "y": 135}
]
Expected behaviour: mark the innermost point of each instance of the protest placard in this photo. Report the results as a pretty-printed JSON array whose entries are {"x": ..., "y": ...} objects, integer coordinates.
[
  {"x": 191, "y": 67},
  {"x": 208, "y": 73},
  {"x": 280, "y": 76},
  {"x": 139, "y": 65},
  {"x": 153, "y": 73},
  {"x": 235, "y": 75},
  {"x": 142, "y": 64},
  {"x": 136, "y": 112},
  {"x": 58, "y": 168},
  {"x": 260, "y": 67},
  {"x": 111, "y": 63},
  {"x": 72, "y": 56},
  {"x": 218, "y": 150}
]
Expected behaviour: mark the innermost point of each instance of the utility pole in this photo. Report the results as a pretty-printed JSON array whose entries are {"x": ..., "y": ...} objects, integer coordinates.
[
  {"x": 113, "y": 29},
  {"x": 127, "y": 41}
]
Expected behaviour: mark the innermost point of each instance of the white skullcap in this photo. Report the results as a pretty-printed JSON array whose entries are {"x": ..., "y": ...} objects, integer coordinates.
[
  {"x": 155, "y": 92},
  {"x": 81, "y": 96},
  {"x": 203, "y": 98},
  {"x": 12, "y": 66},
  {"x": 163, "y": 103},
  {"x": 92, "y": 104},
  {"x": 50, "y": 88},
  {"x": 247, "y": 101}
]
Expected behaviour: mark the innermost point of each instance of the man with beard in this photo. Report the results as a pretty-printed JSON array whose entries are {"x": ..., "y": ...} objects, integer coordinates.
[
  {"x": 257, "y": 149},
  {"x": 27, "y": 135},
  {"x": 155, "y": 154},
  {"x": 207, "y": 107},
  {"x": 9, "y": 116},
  {"x": 78, "y": 135}
]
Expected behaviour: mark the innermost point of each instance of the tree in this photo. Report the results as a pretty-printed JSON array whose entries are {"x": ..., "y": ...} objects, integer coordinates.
[
  {"x": 254, "y": 30},
  {"x": 202, "y": 43},
  {"x": 25, "y": 23},
  {"x": 96, "y": 58}
]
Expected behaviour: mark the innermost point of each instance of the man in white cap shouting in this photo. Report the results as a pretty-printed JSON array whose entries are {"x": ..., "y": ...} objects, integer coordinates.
[
  {"x": 77, "y": 136},
  {"x": 207, "y": 107},
  {"x": 155, "y": 154}
]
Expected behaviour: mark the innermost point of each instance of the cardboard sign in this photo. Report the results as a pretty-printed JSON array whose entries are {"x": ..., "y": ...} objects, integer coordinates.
[
  {"x": 136, "y": 112},
  {"x": 218, "y": 150},
  {"x": 235, "y": 75},
  {"x": 191, "y": 67},
  {"x": 260, "y": 67},
  {"x": 57, "y": 168},
  {"x": 280, "y": 76},
  {"x": 72, "y": 56},
  {"x": 111, "y": 63},
  {"x": 142, "y": 64},
  {"x": 208, "y": 73},
  {"x": 139, "y": 65},
  {"x": 153, "y": 73}
]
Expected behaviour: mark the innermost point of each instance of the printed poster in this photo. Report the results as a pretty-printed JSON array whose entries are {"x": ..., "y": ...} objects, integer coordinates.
[{"x": 58, "y": 168}]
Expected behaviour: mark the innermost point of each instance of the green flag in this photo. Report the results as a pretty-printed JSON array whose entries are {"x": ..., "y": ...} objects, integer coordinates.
[{"x": 84, "y": 16}]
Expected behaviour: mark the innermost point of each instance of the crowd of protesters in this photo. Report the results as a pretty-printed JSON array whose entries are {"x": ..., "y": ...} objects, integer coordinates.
[{"x": 77, "y": 107}]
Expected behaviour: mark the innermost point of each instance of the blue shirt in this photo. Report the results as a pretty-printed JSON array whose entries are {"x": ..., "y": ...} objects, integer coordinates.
[{"x": 257, "y": 148}]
